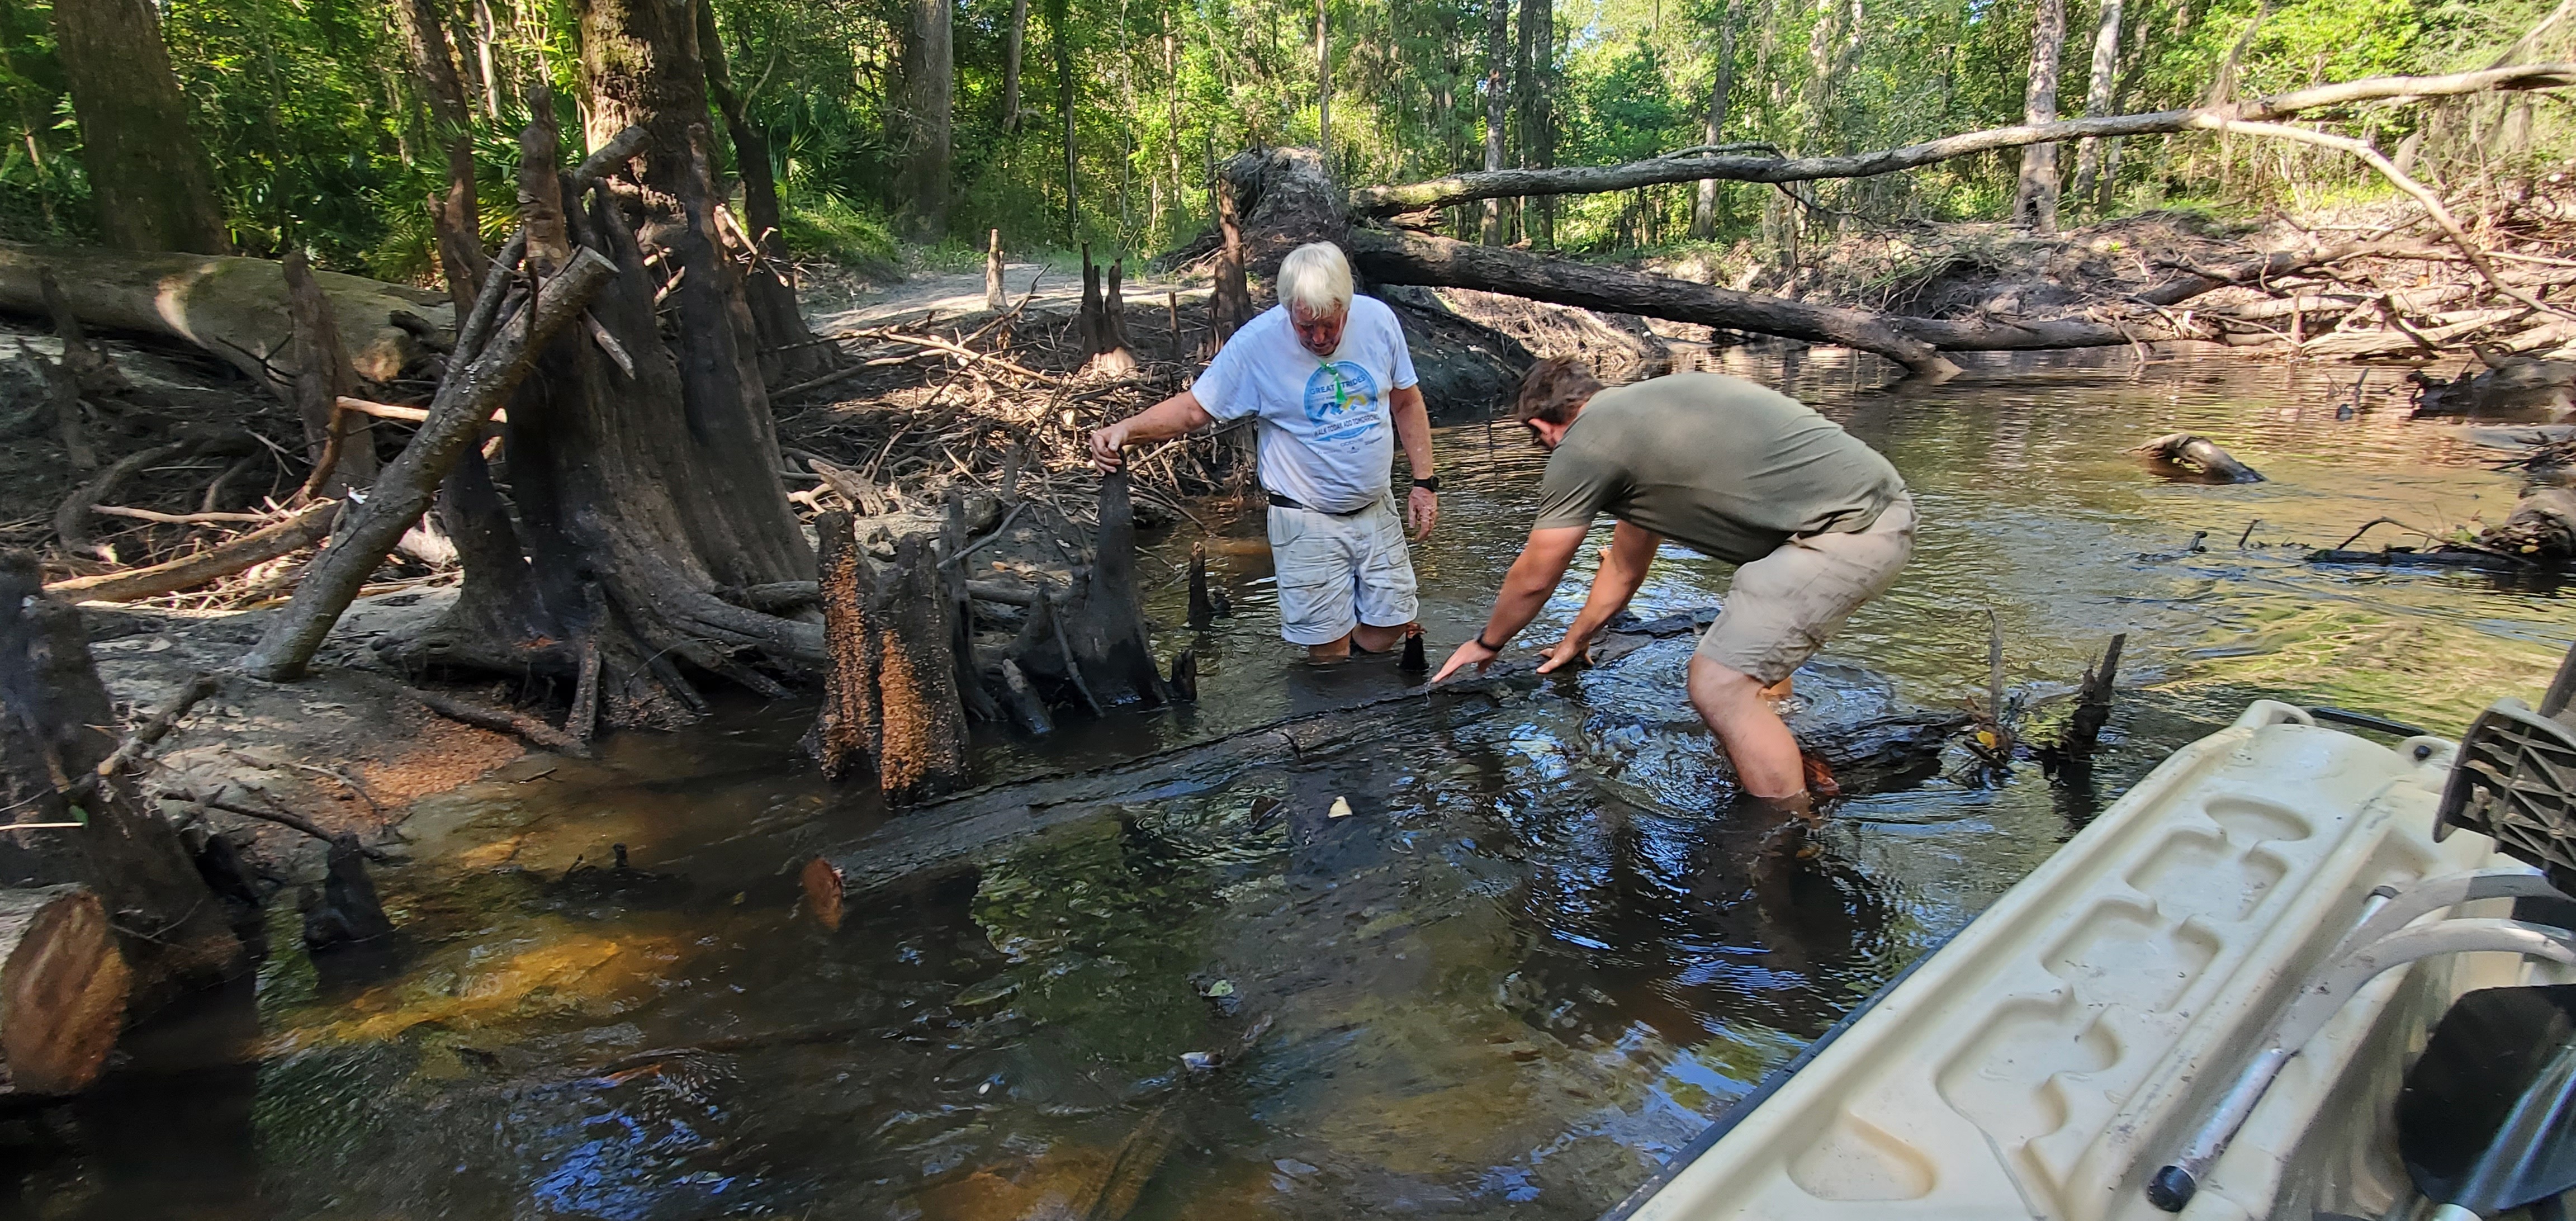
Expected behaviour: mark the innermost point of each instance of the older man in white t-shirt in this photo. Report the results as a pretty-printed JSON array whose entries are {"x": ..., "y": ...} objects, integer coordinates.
[{"x": 1327, "y": 375}]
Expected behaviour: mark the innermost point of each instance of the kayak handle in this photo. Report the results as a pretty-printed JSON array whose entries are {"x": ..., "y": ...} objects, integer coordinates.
[
  {"x": 2363, "y": 720},
  {"x": 2174, "y": 1184}
]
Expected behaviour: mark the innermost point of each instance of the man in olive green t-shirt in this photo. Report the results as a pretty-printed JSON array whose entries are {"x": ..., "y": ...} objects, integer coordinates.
[{"x": 1817, "y": 522}]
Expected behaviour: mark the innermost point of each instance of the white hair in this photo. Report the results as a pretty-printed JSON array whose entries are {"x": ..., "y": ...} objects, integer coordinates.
[{"x": 1315, "y": 278}]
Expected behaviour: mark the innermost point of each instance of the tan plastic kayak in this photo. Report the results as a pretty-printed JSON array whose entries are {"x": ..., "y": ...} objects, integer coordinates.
[{"x": 2054, "y": 1053}]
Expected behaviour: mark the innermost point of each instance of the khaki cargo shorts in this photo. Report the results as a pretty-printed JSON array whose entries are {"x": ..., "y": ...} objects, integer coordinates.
[
  {"x": 1337, "y": 571},
  {"x": 1786, "y": 605}
]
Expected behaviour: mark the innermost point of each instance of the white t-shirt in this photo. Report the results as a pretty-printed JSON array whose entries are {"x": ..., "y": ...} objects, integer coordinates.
[{"x": 1327, "y": 438}]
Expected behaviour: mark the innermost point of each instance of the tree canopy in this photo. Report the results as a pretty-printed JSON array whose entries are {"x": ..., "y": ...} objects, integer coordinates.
[{"x": 320, "y": 140}]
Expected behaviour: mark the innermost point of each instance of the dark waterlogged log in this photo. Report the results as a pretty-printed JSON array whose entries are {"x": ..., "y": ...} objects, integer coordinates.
[
  {"x": 2200, "y": 457},
  {"x": 1885, "y": 752}
]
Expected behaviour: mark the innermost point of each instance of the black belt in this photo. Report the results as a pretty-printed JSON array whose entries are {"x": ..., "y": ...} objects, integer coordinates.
[{"x": 1278, "y": 501}]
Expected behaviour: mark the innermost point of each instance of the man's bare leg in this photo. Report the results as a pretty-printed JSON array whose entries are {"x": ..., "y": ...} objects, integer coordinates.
[
  {"x": 1757, "y": 742},
  {"x": 1368, "y": 639}
]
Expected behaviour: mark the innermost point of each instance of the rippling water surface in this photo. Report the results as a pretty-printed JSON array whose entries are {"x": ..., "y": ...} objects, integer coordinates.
[{"x": 1541, "y": 953}]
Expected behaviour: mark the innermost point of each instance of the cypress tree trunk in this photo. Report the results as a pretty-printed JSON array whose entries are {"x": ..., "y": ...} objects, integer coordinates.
[
  {"x": 644, "y": 478},
  {"x": 2035, "y": 203},
  {"x": 1057, "y": 18},
  {"x": 148, "y": 175},
  {"x": 1014, "y": 44},
  {"x": 930, "y": 80}
]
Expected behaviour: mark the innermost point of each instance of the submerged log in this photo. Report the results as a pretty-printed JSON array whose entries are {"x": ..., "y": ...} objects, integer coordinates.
[
  {"x": 2541, "y": 530},
  {"x": 1884, "y": 752},
  {"x": 2200, "y": 456},
  {"x": 62, "y": 989}
]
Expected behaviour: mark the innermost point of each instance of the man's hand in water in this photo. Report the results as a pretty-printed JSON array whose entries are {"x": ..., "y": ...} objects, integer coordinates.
[
  {"x": 1568, "y": 654},
  {"x": 1468, "y": 654}
]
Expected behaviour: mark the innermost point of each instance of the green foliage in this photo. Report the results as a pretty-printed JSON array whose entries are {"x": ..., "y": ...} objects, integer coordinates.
[{"x": 319, "y": 139}]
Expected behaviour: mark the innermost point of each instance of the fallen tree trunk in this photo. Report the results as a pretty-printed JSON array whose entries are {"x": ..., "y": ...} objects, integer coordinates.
[
  {"x": 231, "y": 307},
  {"x": 1498, "y": 184},
  {"x": 62, "y": 989},
  {"x": 1403, "y": 257}
]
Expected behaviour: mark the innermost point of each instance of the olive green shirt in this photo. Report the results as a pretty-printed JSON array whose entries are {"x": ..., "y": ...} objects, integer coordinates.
[{"x": 1720, "y": 465}]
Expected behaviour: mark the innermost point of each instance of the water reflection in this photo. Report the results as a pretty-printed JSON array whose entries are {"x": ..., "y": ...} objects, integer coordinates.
[{"x": 1542, "y": 947}]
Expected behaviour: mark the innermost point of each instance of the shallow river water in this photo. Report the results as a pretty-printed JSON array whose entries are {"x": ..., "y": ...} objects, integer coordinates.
[{"x": 1540, "y": 954}]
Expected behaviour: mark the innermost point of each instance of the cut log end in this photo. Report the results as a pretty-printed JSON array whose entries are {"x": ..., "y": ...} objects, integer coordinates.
[
  {"x": 824, "y": 888},
  {"x": 62, "y": 989}
]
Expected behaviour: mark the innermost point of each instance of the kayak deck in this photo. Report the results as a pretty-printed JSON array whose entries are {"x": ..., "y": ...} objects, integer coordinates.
[{"x": 2047, "y": 1059}]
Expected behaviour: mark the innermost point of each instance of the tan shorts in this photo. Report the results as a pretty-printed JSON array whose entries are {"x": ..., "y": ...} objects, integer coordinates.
[
  {"x": 1337, "y": 572},
  {"x": 1786, "y": 605}
]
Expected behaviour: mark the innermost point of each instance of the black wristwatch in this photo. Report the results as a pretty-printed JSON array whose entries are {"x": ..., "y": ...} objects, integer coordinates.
[
  {"x": 1428, "y": 483},
  {"x": 1491, "y": 648}
]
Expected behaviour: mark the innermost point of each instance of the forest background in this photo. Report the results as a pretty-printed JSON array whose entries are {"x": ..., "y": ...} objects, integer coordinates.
[{"x": 907, "y": 128}]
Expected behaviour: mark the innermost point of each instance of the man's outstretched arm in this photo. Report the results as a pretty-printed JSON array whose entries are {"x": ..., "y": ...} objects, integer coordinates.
[
  {"x": 1623, "y": 569},
  {"x": 1172, "y": 417},
  {"x": 1525, "y": 591}
]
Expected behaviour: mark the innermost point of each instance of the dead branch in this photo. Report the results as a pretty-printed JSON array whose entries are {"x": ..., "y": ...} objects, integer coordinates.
[
  {"x": 1492, "y": 184},
  {"x": 212, "y": 564}
]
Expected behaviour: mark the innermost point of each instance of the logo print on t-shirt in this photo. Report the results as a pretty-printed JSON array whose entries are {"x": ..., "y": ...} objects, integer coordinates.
[{"x": 1341, "y": 398}]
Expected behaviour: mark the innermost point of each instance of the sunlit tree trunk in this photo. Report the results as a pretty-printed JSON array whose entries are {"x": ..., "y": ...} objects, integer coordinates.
[
  {"x": 1057, "y": 19},
  {"x": 1498, "y": 23},
  {"x": 930, "y": 80},
  {"x": 1014, "y": 43},
  {"x": 788, "y": 352},
  {"x": 1323, "y": 85},
  {"x": 1534, "y": 69},
  {"x": 1703, "y": 223},
  {"x": 148, "y": 175},
  {"x": 2097, "y": 100},
  {"x": 2035, "y": 202}
]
